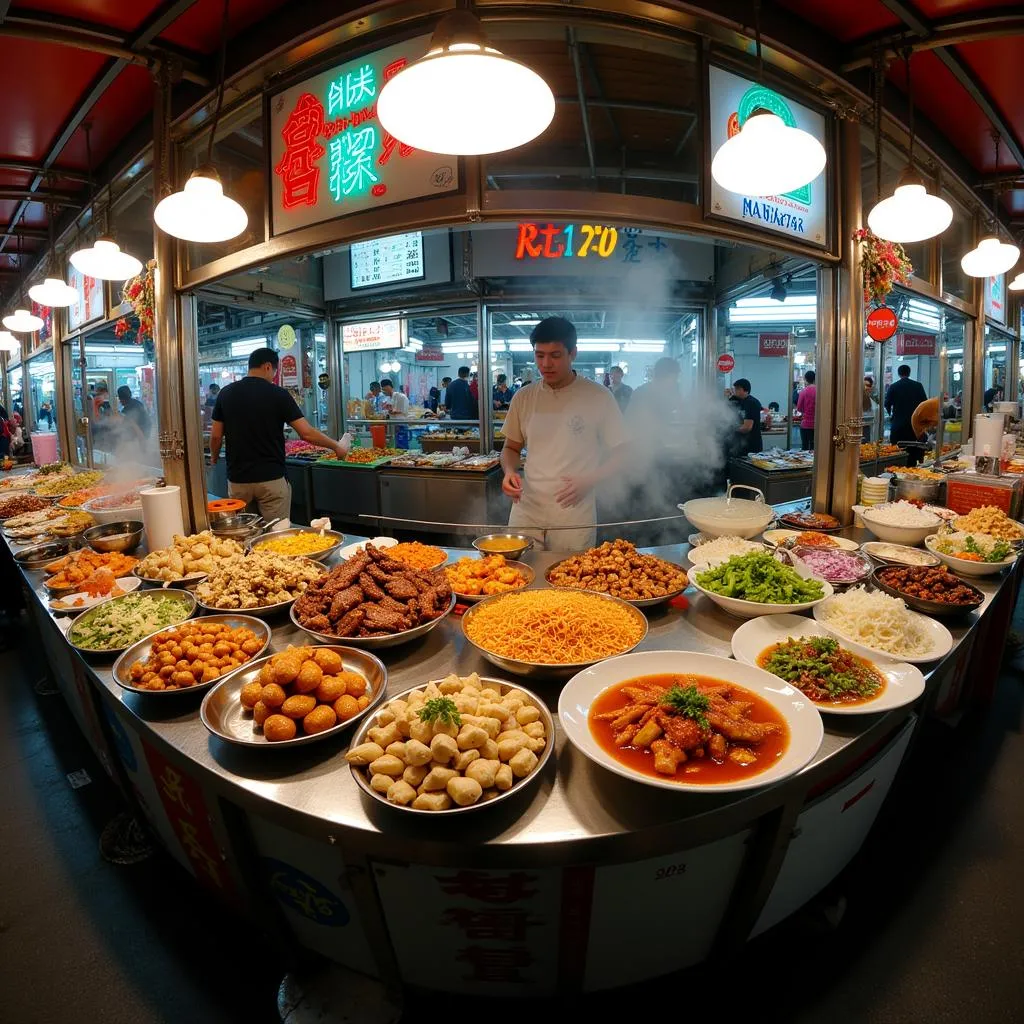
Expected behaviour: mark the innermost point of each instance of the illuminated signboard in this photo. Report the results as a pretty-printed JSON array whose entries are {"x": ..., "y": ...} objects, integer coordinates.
[
  {"x": 90, "y": 304},
  {"x": 45, "y": 333},
  {"x": 372, "y": 337},
  {"x": 802, "y": 213},
  {"x": 915, "y": 344},
  {"x": 540, "y": 241},
  {"x": 329, "y": 155},
  {"x": 995, "y": 298},
  {"x": 773, "y": 345},
  {"x": 387, "y": 260}
]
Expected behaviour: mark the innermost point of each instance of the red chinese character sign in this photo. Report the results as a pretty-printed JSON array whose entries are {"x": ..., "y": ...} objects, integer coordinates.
[
  {"x": 881, "y": 323},
  {"x": 725, "y": 363},
  {"x": 915, "y": 344},
  {"x": 329, "y": 155},
  {"x": 773, "y": 345}
]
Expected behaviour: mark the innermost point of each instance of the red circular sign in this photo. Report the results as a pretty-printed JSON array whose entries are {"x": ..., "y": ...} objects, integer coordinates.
[
  {"x": 882, "y": 323},
  {"x": 725, "y": 363}
]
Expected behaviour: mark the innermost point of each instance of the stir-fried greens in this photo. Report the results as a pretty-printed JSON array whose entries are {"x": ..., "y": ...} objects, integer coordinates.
[
  {"x": 117, "y": 624},
  {"x": 759, "y": 577},
  {"x": 822, "y": 669}
]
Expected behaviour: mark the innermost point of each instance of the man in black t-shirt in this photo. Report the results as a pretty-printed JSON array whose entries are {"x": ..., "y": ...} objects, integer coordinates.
[
  {"x": 901, "y": 399},
  {"x": 251, "y": 414},
  {"x": 749, "y": 408}
]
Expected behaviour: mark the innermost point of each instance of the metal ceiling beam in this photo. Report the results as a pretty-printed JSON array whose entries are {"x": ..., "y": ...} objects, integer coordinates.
[
  {"x": 958, "y": 68},
  {"x": 42, "y": 195},
  {"x": 22, "y": 167},
  {"x": 164, "y": 15}
]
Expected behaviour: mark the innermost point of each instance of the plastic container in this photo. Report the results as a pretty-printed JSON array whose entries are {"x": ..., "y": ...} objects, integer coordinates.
[
  {"x": 378, "y": 435},
  {"x": 44, "y": 448}
]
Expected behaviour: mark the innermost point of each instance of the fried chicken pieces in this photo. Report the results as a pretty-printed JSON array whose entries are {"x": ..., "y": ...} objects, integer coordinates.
[{"x": 373, "y": 595}]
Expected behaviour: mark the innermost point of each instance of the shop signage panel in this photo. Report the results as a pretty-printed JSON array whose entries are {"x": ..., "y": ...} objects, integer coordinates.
[
  {"x": 726, "y": 363},
  {"x": 801, "y": 214},
  {"x": 430, "y": 354},
  {"x": 285, "y": 337},
  {"x": 289, "y": 372},
  {"x": 908, "y": 344},
  {"x": 881, "y": 323},
  {"x": 773, "y": 345},
  {"x": 45, "y": 333},
  {"x": 91, "y": 304},
  {"x": 387, "y": 260},
  {"x": 329, "y": 155},
  {"x": 374, "y": 336},
  {"x": 465, "y": 930},
  {"x": 995, "y": 298}
]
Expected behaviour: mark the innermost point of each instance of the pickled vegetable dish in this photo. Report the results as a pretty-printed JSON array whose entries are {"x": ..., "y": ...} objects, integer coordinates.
[
  {"x": 822, "y": 669},
  {"x": 693, "y": 728},
  {"x": 117, "y": 624}
]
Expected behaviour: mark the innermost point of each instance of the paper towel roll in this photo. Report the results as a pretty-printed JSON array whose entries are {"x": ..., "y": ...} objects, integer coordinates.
[
  {"x": 988, "y": 430},
  {"x": 161, "y": 515}
]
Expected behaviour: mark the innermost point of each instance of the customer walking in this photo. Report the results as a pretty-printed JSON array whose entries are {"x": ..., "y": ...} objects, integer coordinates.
[
  {"x": 749, "y": 430},
  {"x": 901, "y": 399},
  {"x": 805, "y": 404},
  {"x": 250, "y": 415},
  {"x": 621, "y": 392}
]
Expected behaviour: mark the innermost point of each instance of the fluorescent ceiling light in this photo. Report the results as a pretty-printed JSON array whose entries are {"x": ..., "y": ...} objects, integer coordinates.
[
  {"x": 990, "y": 258},
  {"x": 995, "y": 348},
  {"x": 522, "y": 323},
  {"x": 911, "y": 213},
  {"x": 104, "y": 261},
  {"x": 464, "y": 97},
  {"x": 787, "y": 302},
  {"x": 245, "y": 348},
  {"x": 8, "y": 342},
  {"x": 767, "y": 158},
  {"x": 22, "y": 321},
  {"x": 53, "y": 292},
  {"x": 520, "y": 346},
  {"x": 201, "y": 212}
]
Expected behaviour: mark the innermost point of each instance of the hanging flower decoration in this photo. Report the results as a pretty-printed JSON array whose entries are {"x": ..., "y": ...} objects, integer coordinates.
[
  {"x": 138, "y": 293},
  {"x": 883, "y": 265}
]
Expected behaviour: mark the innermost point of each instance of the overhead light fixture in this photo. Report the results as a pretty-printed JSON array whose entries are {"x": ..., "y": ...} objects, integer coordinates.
[
  {"x": 490, "y": 102},
  {"x": 1017, "y": 284},
  {"x": 8, "y": 342},
  {"x": 911, "y": 213},
  {"x": 778, "y": 292},
  {"x": 767, "y": 157},
  {"x": 201, "y": 212},
  {"x": 990, "y": 257},
  {"x": 54, "y": 291},
  {"x": 22, "y": 322},
  {"x": 104, "y": 259}
]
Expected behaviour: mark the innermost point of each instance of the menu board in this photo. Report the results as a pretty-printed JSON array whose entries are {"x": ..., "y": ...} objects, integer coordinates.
[
  {"x": 387, "y": 260},
  {"x": 374, "y": 336}
]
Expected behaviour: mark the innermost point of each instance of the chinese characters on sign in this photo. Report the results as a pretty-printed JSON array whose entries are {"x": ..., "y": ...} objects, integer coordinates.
[
  {"x": 773, "y": 345},
  {"x": 386, "y": 260},
  {"x": 329, "y": 154},
  {"x": 90, "y": 303},
  {"x": 915, "y": 344},
  {"x": 371, "y": 337},
  {"x": 289, "y": 372}
]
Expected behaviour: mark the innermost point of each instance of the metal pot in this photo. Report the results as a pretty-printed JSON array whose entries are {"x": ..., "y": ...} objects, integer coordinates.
[{"x": 932, "y": 492}]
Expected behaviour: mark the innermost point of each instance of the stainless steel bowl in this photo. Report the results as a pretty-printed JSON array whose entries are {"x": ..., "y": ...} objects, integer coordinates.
[
  {"x": 542, "y": 670},
  {"x": 222, "y": 712},
  {"x": 337, "y": 539},
  {"x": 39, "y": 555},
  {"x": 938, "y": 609},
  {"x": 376, "y": 643},
  {"x": 123, "y": 537},
  {"x": 528, "y": 574},
  {"x": 646, "y": 602},
  {"x": 142, "y": 650},
  {"x": 512, "y": 553},
  {"x": 518, "y": 785},
  {"x": 240, "y": 526},
  {"x": 267, "y": 611},
  {"x": 185, "y": 583},
  {"x": 913, "y": 488},
  {"x": 187, "y": 600}
]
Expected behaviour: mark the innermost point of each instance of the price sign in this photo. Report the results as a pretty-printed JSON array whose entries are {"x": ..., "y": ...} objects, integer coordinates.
[
  {"x": 565, "y": 241},
  {"x": 881, "y": 323},
  {"x": 726, "y": 363}
]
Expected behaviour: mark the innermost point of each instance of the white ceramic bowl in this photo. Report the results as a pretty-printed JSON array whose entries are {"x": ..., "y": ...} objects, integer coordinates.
[
  {"x": 752, "y": 609},
  {"x": 912, "y": 535},
  {"x": 728, "y": 517},
  {"x": 805, "y": 727},
  {"x": 964, "y": 566},
  {"x": 904, "y": 683}
]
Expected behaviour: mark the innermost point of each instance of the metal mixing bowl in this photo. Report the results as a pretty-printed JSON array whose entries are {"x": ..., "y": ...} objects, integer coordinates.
[
  {"x": 123, "y": 537},
  {"x": 512, "y": 553}
]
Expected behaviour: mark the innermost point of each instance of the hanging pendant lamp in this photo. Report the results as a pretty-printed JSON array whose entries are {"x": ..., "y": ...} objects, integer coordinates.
[
  {"x": 1017, "y": 284},
  {"x": 201, "y": 212},
  {"x": 991, "y": 257},
  {"x": 911, "y": 213},
  {"x": 22, "y": 321},
  {"x": 767, "y": 157},
  {"x": 464, "y": 97},
  {"x": 54, "y": 292},
  {"x": 8, "y": 342}
]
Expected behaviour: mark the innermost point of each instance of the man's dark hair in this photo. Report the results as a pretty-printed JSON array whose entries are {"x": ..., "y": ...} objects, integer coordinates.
[
  {"x": 869, "y": 379},
  {"x": 375, "y": 385},
  {"x": 261, "y": 356},
  {"x": 386, "y": 382},
  {"x": 214, "y": 388},
  {"x": 502, "y": 378},
  {"x": 463, "y": 372},
  {"x": 809, "y": 376},
  {"x": 615, "y": 369},
  {"x": 773, "y": 406},
  {"x": 742, "y": 383},
  {"x": 904, "y": 370},
  {"x": 554, "y": 328},
  {"x": 124, "y": 392},
  {"x": 445, "y": 381}
]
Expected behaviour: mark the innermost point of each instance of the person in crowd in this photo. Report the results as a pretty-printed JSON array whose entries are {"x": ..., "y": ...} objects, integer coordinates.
[
  {"x": 433, "y": 399},
  {"x": 373, "y": 397},
  {"x": 805, "y": 409},
  {"x": 902, "y": 397},
  {"x": 250, "y": 415},
  {"x": 5, "y": 433},
  {"x": 796, "y": 393},
  {"x": 749, "y": 409},
  {"x": 868, "y": 406},
  {"x": 443, "y": 403},
  {"x": 991, "y": 396},
  {"x": 501, "y": 393},
  {"x": 474, "y": 388},
  {"x": 45, "y": 416},
  {"x": 210, "y": 401},
  {"x": 459, "y": 400},
  {"x": 576, "y": 436},
  {"x": 134, "y": 413},
  {"x": 395, "y": 403},
  {"x": 621, "y": 392},
  {"x": 102, "y": 415}
]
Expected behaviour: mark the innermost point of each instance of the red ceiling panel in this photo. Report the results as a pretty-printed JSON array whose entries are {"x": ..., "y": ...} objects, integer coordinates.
[
  {"x": 123, "y": 15},
  {"x": 198, "y": 28},
  {"x": 998, "y": 65},
  {"x": 934, "y": 10},
  {"x": 14, "y": 179},
  {"x": 846, "y": 20},
  {"x": 41, "y": 85},
  {"x": 7, "y": 209}
]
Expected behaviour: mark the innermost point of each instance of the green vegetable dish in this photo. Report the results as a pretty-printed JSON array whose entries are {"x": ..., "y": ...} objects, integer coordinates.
[
  {"x": 823, "y": 670},
  {"x": 115, "y": 625},
  {"x": 759, "y": 577},
  {"x": 970, "y": 550}
]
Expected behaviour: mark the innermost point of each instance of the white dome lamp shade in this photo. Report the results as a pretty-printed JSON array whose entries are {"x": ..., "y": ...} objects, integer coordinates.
[
  {"x": 911, "y": 213},
  {"x": 21, "y": 321},
  {"x": 990, "y": 258},
  {"x": 491, "y": 102},
  {"x": 8, "y": 342},
  {"x": 201, "y": 212},
  {"x": 105, "y": 261},
  {"x": 1017, "y": 284},
  {"x": 53, "y": 292}
]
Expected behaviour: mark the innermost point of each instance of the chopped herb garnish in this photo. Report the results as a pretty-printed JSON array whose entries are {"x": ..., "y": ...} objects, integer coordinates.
[
  {"x": 688, "y": 701},
  {"x": 441, "y": 709}
]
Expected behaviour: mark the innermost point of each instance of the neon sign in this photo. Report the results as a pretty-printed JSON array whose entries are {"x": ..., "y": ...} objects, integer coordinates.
[
  {"x": 331, "y": 157},
  {"x": 565, "y": 241}
]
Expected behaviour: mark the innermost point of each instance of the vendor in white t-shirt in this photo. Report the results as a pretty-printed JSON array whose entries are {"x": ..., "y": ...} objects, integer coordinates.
[
  {"x": 576, "y": 438},
  {"x": 395, "y": 403}
]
